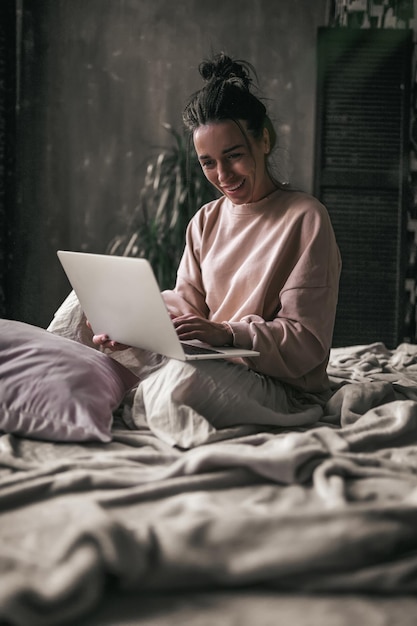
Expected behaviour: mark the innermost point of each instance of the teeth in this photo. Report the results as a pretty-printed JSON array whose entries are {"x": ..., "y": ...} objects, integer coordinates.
[{"x": 237, "y": 187}]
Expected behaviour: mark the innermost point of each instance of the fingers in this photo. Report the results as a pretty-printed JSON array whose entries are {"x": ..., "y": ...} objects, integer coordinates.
[
  {"x": 192, "y": 327},
  {"x": 104, "y": 341},
  {"x": 182, "y": 319},
  {"x": 189, "y": 327},
  {"x": 190, "y": 321}
]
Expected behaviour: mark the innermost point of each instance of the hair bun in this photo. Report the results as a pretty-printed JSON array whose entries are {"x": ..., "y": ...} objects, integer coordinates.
[{"x": 222, "y": 67}]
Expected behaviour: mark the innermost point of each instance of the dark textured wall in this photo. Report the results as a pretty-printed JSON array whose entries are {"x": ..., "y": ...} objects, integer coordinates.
[
  {"x": 7, "y": 139},
  {"x": 98, "y": 78}
]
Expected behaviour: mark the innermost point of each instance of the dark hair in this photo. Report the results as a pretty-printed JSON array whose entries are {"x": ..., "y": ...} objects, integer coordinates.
[{"x": 227, "y": 94}]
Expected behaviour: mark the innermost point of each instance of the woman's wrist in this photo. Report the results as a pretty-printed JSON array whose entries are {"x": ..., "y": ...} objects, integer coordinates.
[{"x": 229, "y": 332}]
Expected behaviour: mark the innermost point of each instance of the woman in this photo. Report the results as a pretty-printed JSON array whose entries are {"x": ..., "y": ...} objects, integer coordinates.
[{"x": 260, "y": 270}]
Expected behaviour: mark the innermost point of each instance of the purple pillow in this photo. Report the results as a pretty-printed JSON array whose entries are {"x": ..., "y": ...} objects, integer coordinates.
[{"x": 55, "y": 388}]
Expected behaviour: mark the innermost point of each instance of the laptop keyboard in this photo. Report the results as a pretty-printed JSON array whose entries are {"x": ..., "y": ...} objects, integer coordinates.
[{"x": 192, "y": 349}]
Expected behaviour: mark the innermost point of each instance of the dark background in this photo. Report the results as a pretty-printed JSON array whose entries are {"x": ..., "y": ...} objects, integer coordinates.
[{"x": 96, "y": 80}]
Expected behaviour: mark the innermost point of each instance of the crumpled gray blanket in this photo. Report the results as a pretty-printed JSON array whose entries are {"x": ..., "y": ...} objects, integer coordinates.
[{"x": 332, "y": 507}]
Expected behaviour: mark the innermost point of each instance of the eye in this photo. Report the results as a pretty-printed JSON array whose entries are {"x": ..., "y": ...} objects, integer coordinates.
[
  {"x": 208, "y": 164},
  {"x": 235, "y": 155}
]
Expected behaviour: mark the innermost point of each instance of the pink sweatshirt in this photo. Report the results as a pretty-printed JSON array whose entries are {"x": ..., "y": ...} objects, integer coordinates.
[{"x": 271, "y": 269}]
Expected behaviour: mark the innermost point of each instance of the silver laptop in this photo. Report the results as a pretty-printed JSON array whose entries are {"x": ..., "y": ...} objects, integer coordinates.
[{"x": 121, "y": 298}]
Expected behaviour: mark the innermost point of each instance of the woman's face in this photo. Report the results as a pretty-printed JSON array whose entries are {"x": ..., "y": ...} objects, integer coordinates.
[{"x": 232, "y": 162}]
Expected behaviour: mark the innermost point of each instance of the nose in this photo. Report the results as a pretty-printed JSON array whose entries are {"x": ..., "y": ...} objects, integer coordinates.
[{"x": 223, "y": 172}]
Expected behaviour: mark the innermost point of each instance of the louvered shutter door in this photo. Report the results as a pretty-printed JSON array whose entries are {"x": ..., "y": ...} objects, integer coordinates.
[{"x": 363, "y": 111}]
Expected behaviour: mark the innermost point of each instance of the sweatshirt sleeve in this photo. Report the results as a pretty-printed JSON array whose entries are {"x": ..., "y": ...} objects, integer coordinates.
[{"x": 297, "y": 341}]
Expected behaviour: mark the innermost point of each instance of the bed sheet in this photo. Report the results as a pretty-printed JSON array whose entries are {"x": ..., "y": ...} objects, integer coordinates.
[{"x": 330, "y": 509}]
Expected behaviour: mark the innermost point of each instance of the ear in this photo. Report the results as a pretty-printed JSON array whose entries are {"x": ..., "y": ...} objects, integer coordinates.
[{"x": 266, "y": 141}]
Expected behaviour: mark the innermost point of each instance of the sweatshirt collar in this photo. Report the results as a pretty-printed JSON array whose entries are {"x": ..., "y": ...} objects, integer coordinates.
[{"x": 252, "y": 208}]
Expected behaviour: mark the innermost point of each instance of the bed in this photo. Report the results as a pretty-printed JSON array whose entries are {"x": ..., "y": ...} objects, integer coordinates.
[{"x": 261, "y": 526}]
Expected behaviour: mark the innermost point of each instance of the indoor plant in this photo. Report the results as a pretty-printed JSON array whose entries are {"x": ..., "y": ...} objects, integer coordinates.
[{"x": 174, "y": 188}]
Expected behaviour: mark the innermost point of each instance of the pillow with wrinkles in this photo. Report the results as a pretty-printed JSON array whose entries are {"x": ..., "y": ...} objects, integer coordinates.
[{"x": 57, "y": 389}]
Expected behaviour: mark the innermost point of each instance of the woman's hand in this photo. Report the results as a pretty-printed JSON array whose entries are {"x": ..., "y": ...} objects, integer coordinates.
[
  {"x": 104, "y": 341},
  {"x": 192, "y": 327}
]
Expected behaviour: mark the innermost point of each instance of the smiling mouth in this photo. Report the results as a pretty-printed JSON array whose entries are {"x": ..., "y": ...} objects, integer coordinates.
[{"x": 233, "y": 189}]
